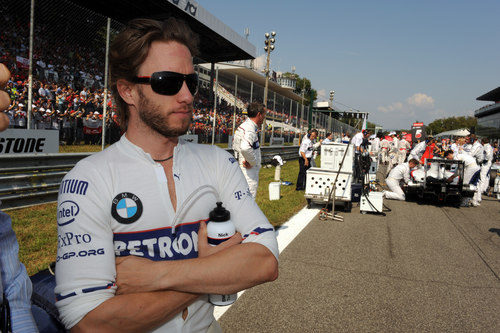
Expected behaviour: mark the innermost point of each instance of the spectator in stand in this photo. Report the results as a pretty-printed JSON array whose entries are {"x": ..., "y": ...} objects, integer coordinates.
[{"x": 20, "y": 117}]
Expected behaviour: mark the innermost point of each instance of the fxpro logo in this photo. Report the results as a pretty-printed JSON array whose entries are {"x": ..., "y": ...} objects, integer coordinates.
[
  {"x": 67, "y": 212},
  {"x": 69, "y": 238}
]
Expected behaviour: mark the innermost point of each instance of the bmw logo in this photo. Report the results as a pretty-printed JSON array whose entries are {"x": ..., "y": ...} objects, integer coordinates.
[{"x": 126, "y": 208}]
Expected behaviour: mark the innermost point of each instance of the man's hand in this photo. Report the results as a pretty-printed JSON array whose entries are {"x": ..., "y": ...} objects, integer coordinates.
[
  {"x": 134, "y": 274},
  {"x": 205, "y": 249},
  {"x": 4, "y": 97},
  {"x": 306, "y": 162},
  {"x": 247, "y": 165}
]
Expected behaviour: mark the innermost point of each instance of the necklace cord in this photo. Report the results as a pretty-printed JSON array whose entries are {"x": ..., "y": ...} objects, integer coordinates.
[{"x": 166, "y": 159}]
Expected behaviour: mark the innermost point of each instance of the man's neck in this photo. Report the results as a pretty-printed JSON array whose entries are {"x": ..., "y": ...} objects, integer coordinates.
[{"x": 151, "y": 142}]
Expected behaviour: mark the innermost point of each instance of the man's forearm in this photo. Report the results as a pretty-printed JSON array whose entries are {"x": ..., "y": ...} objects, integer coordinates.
[
  {"x": 138, "y": 312},
  {"x": 236, "y": 268},
  {"x": 249, "y": 156}
]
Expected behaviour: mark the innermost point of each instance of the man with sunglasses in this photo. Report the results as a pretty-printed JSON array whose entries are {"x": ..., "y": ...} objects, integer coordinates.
[
  {"x": 133, "y": 253},
  {"x": 247, "y": 147}
]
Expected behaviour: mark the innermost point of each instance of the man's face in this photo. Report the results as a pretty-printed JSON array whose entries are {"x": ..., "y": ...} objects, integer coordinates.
[
  {"x": 313, "y": 135},
  {"x": 449, "y": 156},
  {"x": 169, "y": 116},
  {"x": 260, "y": 118}
]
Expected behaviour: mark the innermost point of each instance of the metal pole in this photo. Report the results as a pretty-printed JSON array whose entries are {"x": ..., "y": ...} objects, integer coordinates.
[
  {"x": 274, "y": 110},
  {"x": 235, "y": 100},
  {"x": 105, "y": 106},
  {"x": 251, "y": 91},
  {"x": 301, "y": 115},
  {"x": 30, "y": 70},
  {"x": 290, "y": 122},
  {"x": 309, "y": 116},
  {"x": 215, "y": 104},
  {"x": 211, "y": 87},
  {"x": 263, "y": 136},
  {"x": 282, "y": 115}
]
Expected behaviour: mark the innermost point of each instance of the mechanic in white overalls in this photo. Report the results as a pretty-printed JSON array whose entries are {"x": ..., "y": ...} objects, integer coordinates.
[
  {"x": 246, "y": 145},
  {"x": 400, "y": 172},
  {"x": 403, "y": 147},
  {"x": 471, "y": 172},
  {"x": 485, "y": 167}
]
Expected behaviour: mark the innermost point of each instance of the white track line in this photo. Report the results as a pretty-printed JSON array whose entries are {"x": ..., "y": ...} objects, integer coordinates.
[{"x": 285, "y": 235}]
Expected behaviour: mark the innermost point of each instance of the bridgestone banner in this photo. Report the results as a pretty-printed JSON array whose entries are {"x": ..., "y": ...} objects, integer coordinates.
[{"x": 21, "y": 141}]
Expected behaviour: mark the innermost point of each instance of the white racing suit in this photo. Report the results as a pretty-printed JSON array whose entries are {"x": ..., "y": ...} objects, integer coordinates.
[
  {"x": 116, "y": 203},
  {"x": 485, "y": 168},
  {"x": 247, "y": 148},
  {"x": 401, "y": 171},
  {"x": 403, "y": 147},
  {"x": 417, "y": 151},
  {"x": 385, "y": 146},
  {"x": 471, "y": 174},
  {"x": 375, "y": 149}
]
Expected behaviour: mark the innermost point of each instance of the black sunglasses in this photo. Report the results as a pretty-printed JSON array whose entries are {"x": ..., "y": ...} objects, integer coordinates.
[{"x": 169, "y": 83}]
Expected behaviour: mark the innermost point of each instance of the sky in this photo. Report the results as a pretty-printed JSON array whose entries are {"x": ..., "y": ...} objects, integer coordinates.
[{"x": 400, "y": 61}]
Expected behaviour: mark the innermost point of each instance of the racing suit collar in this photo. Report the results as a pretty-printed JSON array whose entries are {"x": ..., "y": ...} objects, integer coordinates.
[
  {"x": 253, "y": 123},
  {"x": 130, "y": 148}
]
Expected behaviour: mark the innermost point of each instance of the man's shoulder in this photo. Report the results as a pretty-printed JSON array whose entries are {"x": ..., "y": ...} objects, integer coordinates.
[
  {"x": 97, "y": 162},
  {"x": 204, "y": 150},
  {"x": 207, "y": 154}
]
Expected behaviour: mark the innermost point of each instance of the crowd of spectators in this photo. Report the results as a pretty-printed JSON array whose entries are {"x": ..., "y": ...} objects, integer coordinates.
[{"x": 68, "y": 93}]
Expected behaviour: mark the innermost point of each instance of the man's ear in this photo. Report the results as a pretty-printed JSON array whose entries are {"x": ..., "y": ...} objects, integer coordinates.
[{"x": 126, "y": 91}]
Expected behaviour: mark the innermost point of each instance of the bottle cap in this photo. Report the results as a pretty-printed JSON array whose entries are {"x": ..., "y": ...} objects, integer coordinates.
[{"x": 219, "y": 214}]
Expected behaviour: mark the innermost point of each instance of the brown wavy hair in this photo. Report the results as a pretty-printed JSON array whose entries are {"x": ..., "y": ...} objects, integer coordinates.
[{"x": 131, "y": 47}]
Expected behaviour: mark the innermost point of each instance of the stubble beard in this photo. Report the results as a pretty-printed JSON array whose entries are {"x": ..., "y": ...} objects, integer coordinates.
[{"x": 157, "y": 121}]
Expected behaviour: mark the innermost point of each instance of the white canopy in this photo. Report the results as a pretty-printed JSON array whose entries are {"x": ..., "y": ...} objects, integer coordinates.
[{"x": 458, "y": 132}]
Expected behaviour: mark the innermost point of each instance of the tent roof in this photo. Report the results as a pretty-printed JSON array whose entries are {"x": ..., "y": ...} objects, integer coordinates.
[
  {"x": 457, "y": 132},
  {"x": 218, "y": 42}
]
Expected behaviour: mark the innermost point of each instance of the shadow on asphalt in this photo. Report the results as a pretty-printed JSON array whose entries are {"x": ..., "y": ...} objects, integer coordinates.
[{"x": 494, "y": 230}]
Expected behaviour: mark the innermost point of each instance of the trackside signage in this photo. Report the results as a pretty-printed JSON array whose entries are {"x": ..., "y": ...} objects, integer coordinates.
[{"x": 20, "y": 141}]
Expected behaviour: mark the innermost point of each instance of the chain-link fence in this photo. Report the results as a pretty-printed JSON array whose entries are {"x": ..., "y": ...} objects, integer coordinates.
[{"x": 67, "y": 91}]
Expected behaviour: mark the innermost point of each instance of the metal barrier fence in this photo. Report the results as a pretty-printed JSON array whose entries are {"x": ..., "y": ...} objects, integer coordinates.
[{"x": 32, "y": 179}]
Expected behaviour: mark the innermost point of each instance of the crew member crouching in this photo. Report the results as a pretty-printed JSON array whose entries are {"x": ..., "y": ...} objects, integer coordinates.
[
  {"x": 472, "y": 172},
  {"x": 400, "y": 172}
]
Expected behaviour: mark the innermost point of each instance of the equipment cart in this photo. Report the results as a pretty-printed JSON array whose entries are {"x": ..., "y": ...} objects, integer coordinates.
[{"x": 320, "y": 182}]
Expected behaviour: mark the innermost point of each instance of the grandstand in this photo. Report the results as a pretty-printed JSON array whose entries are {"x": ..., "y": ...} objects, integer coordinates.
[
  {"x": 68, "y": 92},
  {"x": 488, "y": 117}
]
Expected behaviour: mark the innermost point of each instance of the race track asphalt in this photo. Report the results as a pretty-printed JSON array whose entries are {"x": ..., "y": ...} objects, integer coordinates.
[{"x": 421, "y": 268}]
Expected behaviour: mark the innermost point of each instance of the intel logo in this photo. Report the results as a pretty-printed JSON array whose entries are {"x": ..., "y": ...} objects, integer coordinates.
[{"x": 67, "y": 212}]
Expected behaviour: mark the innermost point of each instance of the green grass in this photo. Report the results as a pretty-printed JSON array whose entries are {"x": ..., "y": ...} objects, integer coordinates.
[
  {"x": 279, "y": 211},
  {"x": 36, "y": 231},
  {"x": 36, "y": 227},
  {"x": 80, "y": 148}
]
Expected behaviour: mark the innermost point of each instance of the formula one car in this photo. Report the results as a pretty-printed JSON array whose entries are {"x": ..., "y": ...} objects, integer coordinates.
[{"x": 431, "y": 182}]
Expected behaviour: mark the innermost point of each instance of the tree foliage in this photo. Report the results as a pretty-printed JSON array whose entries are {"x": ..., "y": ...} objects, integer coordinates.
[
  {"x": 451, "y": 123},
  {"x": 303, "y": 85}
]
